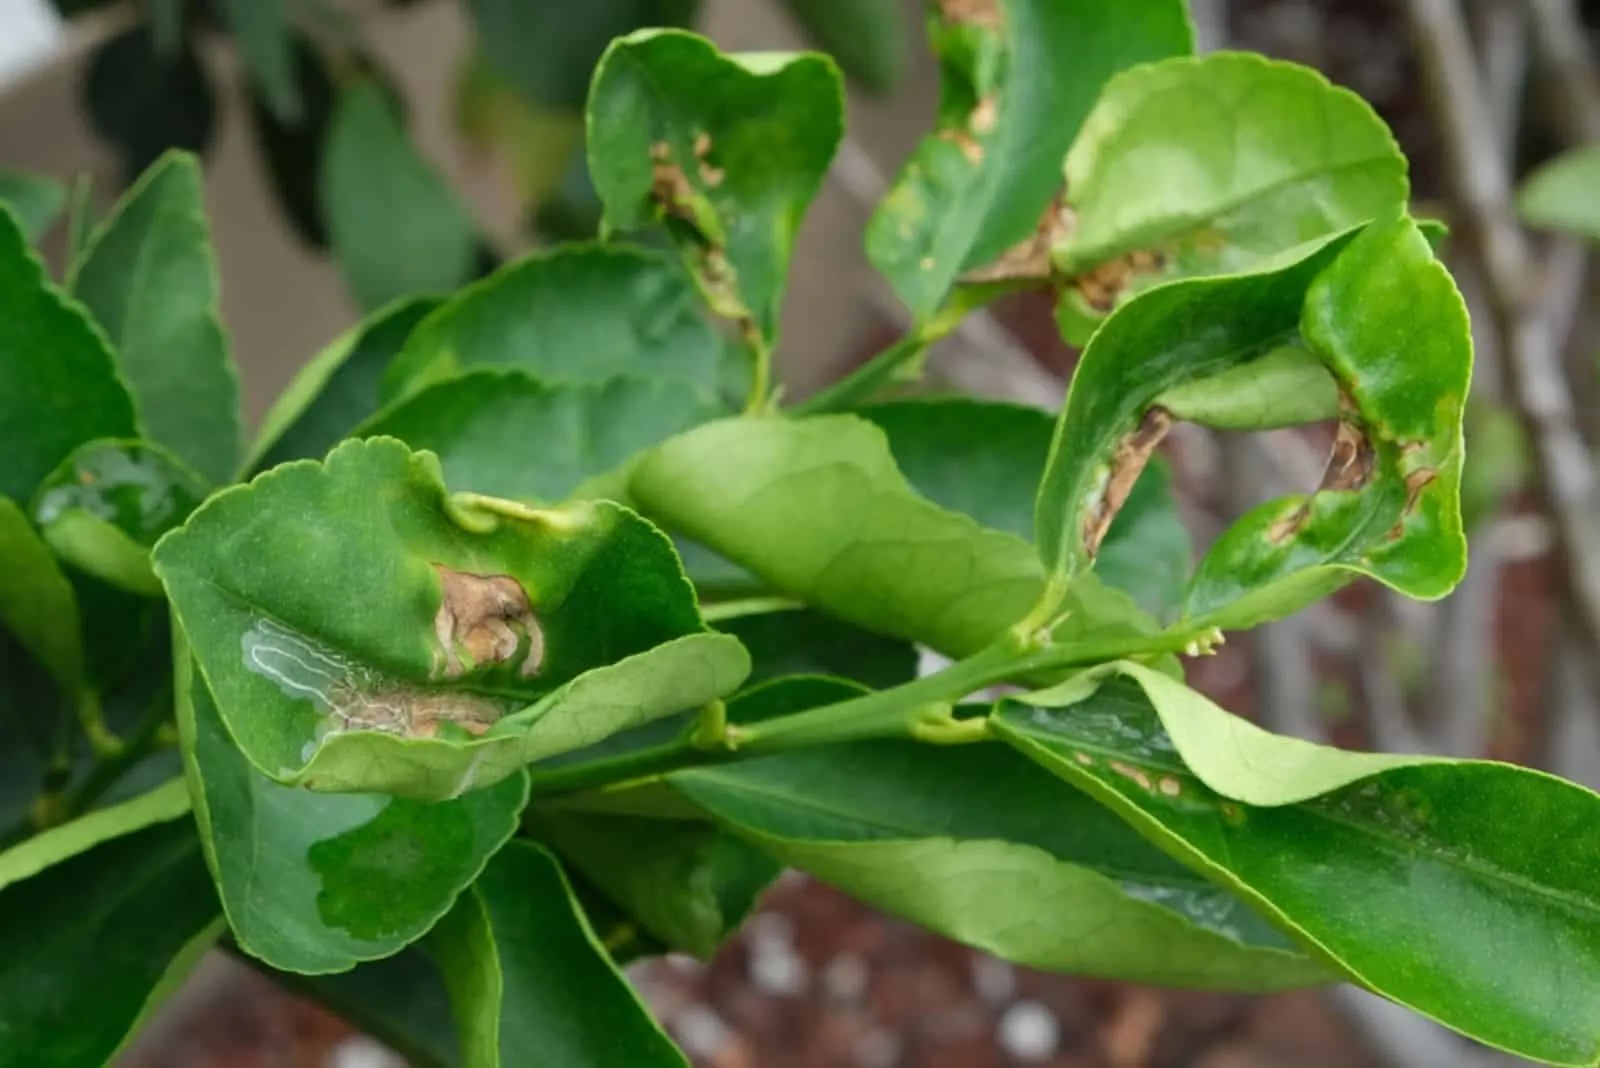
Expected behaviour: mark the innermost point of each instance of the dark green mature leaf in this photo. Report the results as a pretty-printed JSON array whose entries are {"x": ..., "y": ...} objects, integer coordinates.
[
  {"x": 530, "y": 981},
  {"x": 314, "y": 882},
  {"x": 731, "y": 149},
  {"x": 1564, "y": 194},
  {"x": 261, "y": 30},
  {"x": 974, "y": 843},
  {"x": 37, "y": 603},
  {"x": 67, "y": 840},
  {"x": 799, "y": 641},
  {"x": 549, "y": 51},
  {"x": 869, "y": 39},
  {"x": 92, "y": 942},
  {"x": 580, "y": 313},
  {"x": 986, "y": 460},
  {"x": 35, "y": 201},
  {"x": 61, "y": 387},
  {"x": 1405, "y": 872},
  {"x": 1209, "y": 164},
  {"x": 145, "y": 103},
  {"x": 292, "y": 150},
  {"x": 507, "y": 434},
  {"x": 1018, "y": 78},
  {"x": 30, "y": 717},
  {"x": 400, "y": 1000},
  {"x": 397, "y": 229},
  {"x": 337, "y": 389},
  {"x": 358, "y": 625},
  {"x": 149, "y": 276},
  {"x": 687, "y": 884}
]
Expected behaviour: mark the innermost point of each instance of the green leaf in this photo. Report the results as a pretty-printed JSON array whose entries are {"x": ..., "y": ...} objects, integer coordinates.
[
  {"x": 149, "y": 276},
  {"x": 531, "y": 983},
  {"x": 799, "y": 641},
  {"x": 687, "y": 884},
  {"x": 1210, "y": 164},
  {"x": 359, "y": 627},
  {"x": 34, "y": 200},
  {"x": 314, "y": 882},
  {"x": 37, "y": 603},
  {"x": 1018, "y": 77},
  {"x": 261, "y": 30},
  {"x": 400, "y": 1000},
  {"x": 730, "y": 149},
  {"x": 867, "y": 38},
  {"x": 291, "y": 150},
  {"x": 109, "y": 502},
  {"x": 61, "y": 387},
  {"x": 93, "y": 941},
  {"x": 397, "y": 229},
  {"x": 145, "y": 103},
  {"x": 507, "y": 434},
  {"x": 338, "y": 389},
  {"x": 579, "y": 313},
  {"x": 1387, "y": 320},
  {"x": 67, "y": 840},
  {"x": 986, "y": 460},
  {"x": 973, "y": 843},
  {"x": 1564, "y": 193},
  {"x": 1288, "y": 386},
  {"x": 1404, "y": 872}
]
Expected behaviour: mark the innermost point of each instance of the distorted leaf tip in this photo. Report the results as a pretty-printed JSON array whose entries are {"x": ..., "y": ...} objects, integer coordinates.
[{"x": 476, "y": 613}]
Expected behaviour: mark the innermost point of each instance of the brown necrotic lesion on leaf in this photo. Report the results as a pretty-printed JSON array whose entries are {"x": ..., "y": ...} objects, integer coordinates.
[
  {"x": 1029, "y": 259},
  {"x": 1102, "y": 285},
  {"x": 1128, "y": 462},
  {"x": 476, "y": 616},
  {"x": 409, "y": 710},
  {"x": 1349, "y": 468}
]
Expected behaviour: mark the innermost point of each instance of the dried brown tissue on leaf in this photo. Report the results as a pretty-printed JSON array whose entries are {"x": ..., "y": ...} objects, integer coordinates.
[
  {"x": 1104, "y": 284},
  {"x": 1128, "y": 462},
  {"x": 1029, "y": 259},
  {"x": 476, "y": 613},
  {"x": 1350, "y": 464},
  {"x": 984, "y": 14}
]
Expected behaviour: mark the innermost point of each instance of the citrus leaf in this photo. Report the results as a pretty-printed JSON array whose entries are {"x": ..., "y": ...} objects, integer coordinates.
[
  {"x": 34, "y": 200},
  {"x": 1206, "y": 165},
  {"x": 799, "y": 641},
  {"x": 399, "y": 1000},
  {"x": 531, "y": 983},
  {"x": 37, "y": 603},
  {"x": 1017, "y": 79},
  {"x": 315, "y": 882},
  {"x": 146, "y": 103},
  {"x": 67, "y": 840},
  {"x": 507, "y": 434},
  {"x": 867, "y": 38},
  {"x": 291, "y": 149},
  {"x": 61, "y": 386},
  {"x": 1403, "y": 872},
  {"x": 261, "y": 30},
  {"x": 149, "y": 276},
  {"x": 973, "y": 843},
  {"x": 363, "y": 631},
  {"x": 580, "y": 313},
  {"x": 731, "y": 149},
  {"x": 1561, "y": 194}
]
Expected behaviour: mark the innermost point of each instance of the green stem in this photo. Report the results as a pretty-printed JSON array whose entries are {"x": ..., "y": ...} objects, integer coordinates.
[
  {"x": 747, "y": 606},
  {"x": 761, "y": 374},
  {"x": 868, "y": 380},
  {"x": 147, "y": 737}
]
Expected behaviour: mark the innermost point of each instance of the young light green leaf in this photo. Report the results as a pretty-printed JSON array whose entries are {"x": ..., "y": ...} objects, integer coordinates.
[
  {"x": 261, "y": 29},
  {"x": 530, "y": 982},
  {"x": 1209, "y": 164},
  {"x": 67, "y": 840},
  {"x": 314, "y": 882},
  {"x": 34, "y": 200},
  {"x": 729, "y": 149},
  {"x": 975, "y": 844},
  {"x": 1564, "y": 194},
  {"x": 93, "y": 940},
  {"x": 338, "y": 389},
  {"x": 362, "y": 630},
  {"x": 1401, "y": 871},
  {"x": 396, "y": 227},
  {"x": 687, "y": 884},
  {"x": 579, "y": 313},
  {"x": 105, "y": 507},
  {"x": 507, "y": 434},
  {"x": 1018, "y": 78},
  {"x": 1387, "y": 320},
  {"x": 149, "y": 276},
  {"x": 61, "y": 386},
  {"x": 1288, "y": 386},
  {"x": 37, "y": 603}
]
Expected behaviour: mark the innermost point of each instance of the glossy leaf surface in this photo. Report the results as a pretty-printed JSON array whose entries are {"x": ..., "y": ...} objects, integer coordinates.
[
  {"x": 1403, "y": 871},
  {"x": 531, "y": 983},
  {"x": 1564, "y": 194},
  {"x": 577, "y": 314},
  {"x": 396, "y": 228},
  {"x": 1017, "y": 79},
  {"x": 731, "y": 149},
  {"x": 149, "y": 276},
  {"x": 507, "y": 434},
  {"x": 345, "y": 657},
  {"x": 314, "y": 882},
  {"x": 34, "y": 200},
  {"x": 974, "y": 843},
  {"x": 61, "y": 387}
]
